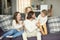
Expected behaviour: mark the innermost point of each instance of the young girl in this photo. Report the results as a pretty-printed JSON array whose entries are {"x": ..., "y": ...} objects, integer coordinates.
[
  {"x": 17, "y": 27},
  {"x": 31, "y": 28},
  {"x": 42, "y": 18},
  {"x": 27, "y": 9}
]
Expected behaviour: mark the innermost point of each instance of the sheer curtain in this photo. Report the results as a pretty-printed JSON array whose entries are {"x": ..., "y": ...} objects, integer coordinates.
[{"x": 21, "y": 4}]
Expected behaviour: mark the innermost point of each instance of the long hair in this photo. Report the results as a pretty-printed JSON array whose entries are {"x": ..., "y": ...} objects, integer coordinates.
[
  {"x": 15, "y": 16},
  {"x": 30, "y": 14}
]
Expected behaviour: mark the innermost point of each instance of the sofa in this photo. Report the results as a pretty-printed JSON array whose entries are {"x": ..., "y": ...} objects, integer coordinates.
[{"x": 53, "y": 27}]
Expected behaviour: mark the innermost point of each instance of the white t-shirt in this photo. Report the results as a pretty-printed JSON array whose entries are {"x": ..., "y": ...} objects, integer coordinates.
[
  {"x": 30, "y": 25},
  {"x": 42, "y": 20},
  {"x": 16, "y": 26}
]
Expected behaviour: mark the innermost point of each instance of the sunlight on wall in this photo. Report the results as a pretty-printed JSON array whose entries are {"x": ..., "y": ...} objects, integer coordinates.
[{"x": 22, "y": 4}]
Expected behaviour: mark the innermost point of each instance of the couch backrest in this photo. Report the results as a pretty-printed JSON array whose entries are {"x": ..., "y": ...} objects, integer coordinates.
[
  {"x": 54, "y": 24},
  {"x": 5, "y": 22}
]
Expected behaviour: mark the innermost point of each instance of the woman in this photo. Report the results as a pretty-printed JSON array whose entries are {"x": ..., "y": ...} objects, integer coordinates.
[
  {"x": 27, "y": 9},
  {"x": 17, "y": 27},
  {"x": 31, "y": 27}
]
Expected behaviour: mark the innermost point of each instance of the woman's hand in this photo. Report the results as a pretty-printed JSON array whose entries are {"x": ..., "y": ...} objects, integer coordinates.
[{"x": 38, "y": 24}]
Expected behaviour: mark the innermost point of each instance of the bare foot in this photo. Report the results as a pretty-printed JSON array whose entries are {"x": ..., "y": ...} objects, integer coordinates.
[{"x": 1, "y": 37}]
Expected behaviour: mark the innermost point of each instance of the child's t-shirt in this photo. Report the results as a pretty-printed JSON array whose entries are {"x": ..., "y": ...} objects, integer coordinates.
[
  {"x": 42, "y": 20},
  {"x": 30, "y": 25}
]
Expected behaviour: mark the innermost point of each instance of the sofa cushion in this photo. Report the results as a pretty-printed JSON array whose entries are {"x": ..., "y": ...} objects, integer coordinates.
[
  {"x": 5, "y": 22},
  {"x": 18, "y": 38},
  {"x": 54, "y": 24},
  {"x": 55, "y": 36}
]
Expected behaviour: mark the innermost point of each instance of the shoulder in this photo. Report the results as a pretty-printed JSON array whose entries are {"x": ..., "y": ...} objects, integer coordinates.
[
  {"x": 25, "y": 20},
  {"x": 13, "y": 21},
  {"x": 34, "y": 19},
  {"x": 46, "y": 17},
  {"x": 39, "y": 16}
]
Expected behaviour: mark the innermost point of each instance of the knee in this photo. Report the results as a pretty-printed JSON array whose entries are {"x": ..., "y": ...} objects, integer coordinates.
[
  {"x": 13, "y": 30},
  {"x": 21, "y": 31},
  {"x": 38, "y": 33}
]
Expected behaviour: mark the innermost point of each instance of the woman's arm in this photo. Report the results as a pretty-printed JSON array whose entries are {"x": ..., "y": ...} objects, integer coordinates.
[{"x": 19, "y": 26}]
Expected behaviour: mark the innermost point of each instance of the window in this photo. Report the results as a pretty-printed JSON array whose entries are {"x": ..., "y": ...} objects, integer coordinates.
[
  {"x": 22, "y": 4},
  {"x": 6, "y": 7}
]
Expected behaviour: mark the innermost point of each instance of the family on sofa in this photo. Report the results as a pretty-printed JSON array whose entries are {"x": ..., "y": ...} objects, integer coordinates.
[{"x": 30, "y": 27}]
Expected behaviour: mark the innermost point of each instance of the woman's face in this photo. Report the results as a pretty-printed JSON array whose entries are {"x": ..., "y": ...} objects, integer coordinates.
[
  {"x": 29, "y": 9},
  {"x": 33, "y": 16},
  {"x": 18, "y": 16}
]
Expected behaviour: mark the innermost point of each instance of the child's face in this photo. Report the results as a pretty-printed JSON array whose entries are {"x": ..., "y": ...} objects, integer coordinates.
[
  {"x": 33, "y": 16},
  {"x": 18, "y": 16},
  {"x": 42, "y": 14}
]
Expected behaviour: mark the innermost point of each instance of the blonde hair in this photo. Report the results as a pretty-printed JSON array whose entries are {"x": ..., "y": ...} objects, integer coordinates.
[
  {"x": 45, "y": 12},
  {"x": 27, "y": 8}
]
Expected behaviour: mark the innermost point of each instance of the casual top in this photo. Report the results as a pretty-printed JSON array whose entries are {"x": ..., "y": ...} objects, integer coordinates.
[
  {"x": 17, "y": 26},
  {"x": 30, "y": 25},
  {"x": 42, "y": 20}
]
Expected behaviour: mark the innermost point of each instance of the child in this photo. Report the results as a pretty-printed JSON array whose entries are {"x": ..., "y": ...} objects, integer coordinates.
[
  {"x": 42, "y": 18},
  {"x": 31, "y": 28},
  {"x": 17, "y": 27}
]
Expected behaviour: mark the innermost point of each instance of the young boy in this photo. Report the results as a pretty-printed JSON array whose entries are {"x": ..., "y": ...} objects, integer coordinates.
[{"x": 42, "y": 18}]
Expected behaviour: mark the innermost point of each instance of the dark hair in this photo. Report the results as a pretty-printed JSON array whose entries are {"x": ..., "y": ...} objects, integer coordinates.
[
  {"x": 27, "y": 8},
  {"x": 45, "y": 11},
  {"x": 15, "y": 16},
  {"x": 30, "y": 14}
]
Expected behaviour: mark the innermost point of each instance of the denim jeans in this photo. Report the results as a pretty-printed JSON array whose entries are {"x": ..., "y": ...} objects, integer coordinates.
[{"x": 13, "y": 32}]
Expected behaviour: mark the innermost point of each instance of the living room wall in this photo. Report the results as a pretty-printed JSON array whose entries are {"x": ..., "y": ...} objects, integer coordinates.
[{"x": 56, "y": 6}]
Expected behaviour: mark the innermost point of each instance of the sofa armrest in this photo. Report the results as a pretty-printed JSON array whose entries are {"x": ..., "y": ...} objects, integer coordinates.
[{"x": 1, "y": 31}]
